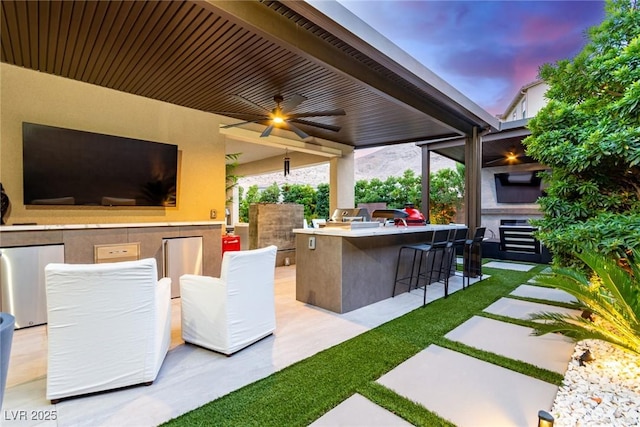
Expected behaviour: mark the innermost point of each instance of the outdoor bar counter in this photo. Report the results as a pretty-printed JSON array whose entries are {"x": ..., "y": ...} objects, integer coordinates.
[{"x": 342, "y": 269}]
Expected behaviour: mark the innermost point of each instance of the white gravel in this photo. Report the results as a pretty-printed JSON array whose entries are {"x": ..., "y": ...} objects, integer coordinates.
[{"x": 603, "y": 392}]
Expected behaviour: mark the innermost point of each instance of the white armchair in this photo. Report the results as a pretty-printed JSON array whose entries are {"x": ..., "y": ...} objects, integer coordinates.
[
  {"x": 109, "y": 326},
  {"x": 229, "y": 313}
]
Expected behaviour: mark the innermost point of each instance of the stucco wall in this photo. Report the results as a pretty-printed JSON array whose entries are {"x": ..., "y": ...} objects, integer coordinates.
[
  {"x": 536, "y": 99},
  {"x": 36, "y": 97}
]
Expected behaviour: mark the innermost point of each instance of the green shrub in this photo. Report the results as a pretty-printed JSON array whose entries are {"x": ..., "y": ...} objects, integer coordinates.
[{"x": 611, "y": 293}]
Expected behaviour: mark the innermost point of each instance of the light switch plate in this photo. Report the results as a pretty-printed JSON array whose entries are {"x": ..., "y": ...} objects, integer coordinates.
[
  {"x": 213, "y": 214},
  {"x": 312, "y": 243}
]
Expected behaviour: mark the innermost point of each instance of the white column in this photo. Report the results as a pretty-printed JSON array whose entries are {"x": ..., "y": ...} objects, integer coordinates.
[{"x": 342, "y": 190}]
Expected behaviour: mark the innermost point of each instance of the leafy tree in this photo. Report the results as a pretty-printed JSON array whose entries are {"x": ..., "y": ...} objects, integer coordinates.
[
  {"x": 446, "y": 194},
  {"x": 304, "y": 195},
  {"x": 322, "y": 201},
  {"x": 407, "y": 189},
  {"x": 611, "y": 294},
  {"x": 374, "y": 191},
  {"x": 253, "y": 196},
  {"x": 271, "y": 194},
  {"x": 589, "y": 134},
  {"x": 395, "y": 192}
]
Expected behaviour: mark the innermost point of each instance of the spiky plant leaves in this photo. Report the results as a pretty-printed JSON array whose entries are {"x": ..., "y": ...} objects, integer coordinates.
[{"x": 613, "y": 295}]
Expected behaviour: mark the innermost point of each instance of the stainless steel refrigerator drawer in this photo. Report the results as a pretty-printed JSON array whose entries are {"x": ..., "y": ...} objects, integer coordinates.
[
  {"x": 182, "y": 255},
  {"x": 22, "y": 282}
]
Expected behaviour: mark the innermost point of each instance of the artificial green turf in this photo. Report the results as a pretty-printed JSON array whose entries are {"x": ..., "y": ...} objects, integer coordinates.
[{"x": 302, "y": 392}]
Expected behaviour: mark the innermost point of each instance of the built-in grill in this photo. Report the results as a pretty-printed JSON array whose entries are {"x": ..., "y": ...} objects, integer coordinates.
[
  {"x": 350, "y": 215},
  {"x": 352, "y": 218}
]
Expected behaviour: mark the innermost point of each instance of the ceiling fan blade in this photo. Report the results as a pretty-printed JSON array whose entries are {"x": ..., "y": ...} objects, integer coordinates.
[
  {"x": 244, "y": 115},
  {"x": 338, "y": 112},
  {"x": 251, "y": 103},
  {"x": 501, "y": 159},
  {"x": 265, "y": 133},
  {"x": 297, "y": 130},
  {"x": 316, "y": 124},
  {"x": 292, "y": 103},
  {"x": 242, "y": 123}
]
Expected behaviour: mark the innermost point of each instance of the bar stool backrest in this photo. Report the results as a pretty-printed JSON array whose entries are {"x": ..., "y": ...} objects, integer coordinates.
[
  {"x": 440, "y": 238},
  {"x": 460, "y": 236},
  {"x": 479, "y": 235}
]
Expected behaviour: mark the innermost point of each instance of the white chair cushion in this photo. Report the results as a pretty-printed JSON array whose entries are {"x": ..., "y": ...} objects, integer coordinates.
[
  {"x": 109, "y": 326},
  {"x": 229, "y": 313}
]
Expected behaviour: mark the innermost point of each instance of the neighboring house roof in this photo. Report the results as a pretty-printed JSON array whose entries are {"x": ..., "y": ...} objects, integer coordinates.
[{"x": 519, "y": 95}]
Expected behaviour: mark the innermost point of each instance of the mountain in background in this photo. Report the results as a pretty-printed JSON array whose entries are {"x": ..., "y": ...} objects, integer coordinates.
[{"x": 378, "y": 163}]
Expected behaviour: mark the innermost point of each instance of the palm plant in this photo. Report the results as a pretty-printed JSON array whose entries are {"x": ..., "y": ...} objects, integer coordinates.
[{"x": 612, "y": 295}]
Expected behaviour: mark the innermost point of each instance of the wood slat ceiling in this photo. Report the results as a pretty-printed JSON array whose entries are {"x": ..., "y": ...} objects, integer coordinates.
[{"x": 184, "y": 53}]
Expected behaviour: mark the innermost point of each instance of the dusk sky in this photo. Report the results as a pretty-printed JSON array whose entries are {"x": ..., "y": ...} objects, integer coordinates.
[{"x": 486, "y": 49}]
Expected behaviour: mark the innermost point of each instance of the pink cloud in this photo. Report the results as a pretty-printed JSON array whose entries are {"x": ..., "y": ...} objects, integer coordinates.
[{"x": 492, "y": 48}]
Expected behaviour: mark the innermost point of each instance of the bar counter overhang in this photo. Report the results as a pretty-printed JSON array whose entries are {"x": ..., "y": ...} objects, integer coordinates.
[{"x": 342, "y": 269}]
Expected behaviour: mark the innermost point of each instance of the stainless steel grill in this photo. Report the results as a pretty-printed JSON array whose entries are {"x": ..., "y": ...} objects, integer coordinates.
[{"x": 350, "y": 215}]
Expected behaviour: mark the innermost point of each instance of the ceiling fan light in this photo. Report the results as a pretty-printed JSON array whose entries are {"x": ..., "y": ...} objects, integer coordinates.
[
  {"x": 512, "y": 157},
  {"x": 278, "y": 120}
]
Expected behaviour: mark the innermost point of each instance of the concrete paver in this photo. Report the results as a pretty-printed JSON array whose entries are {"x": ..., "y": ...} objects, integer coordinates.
[
  {"x": 542, "y": 293},
  {"x": 549, "y": 351},
  {"x": 509, "y": 266},
  {"x": 468, "y": 391},
  {"x": 359, "y": 411},
  {"x": 518, "y": 309}
]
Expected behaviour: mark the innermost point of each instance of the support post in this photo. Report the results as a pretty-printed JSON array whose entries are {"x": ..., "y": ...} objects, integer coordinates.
[
  {"x": 472, "y": 194},
  {"x": 426, "y": 182}
]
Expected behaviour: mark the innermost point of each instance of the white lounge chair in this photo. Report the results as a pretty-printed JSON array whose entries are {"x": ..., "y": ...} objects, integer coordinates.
[
  {"x": 229, "y": 313},
  {"x": 109, "y": 326}
]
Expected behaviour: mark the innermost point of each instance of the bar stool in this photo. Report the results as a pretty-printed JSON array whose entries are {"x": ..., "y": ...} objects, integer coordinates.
[
  {"x": 468, "y": 251},
  {"x": 415, "y": 250},
  {"x": 459, "y": 241},
  {"x": 424, "y": 253},
  {"x": 442, "y": 245}
]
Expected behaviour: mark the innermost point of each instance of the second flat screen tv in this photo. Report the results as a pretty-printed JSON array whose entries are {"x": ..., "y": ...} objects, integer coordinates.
[
  {"x": 518, "y": 187},
  {"x": 72, "y": 167}
]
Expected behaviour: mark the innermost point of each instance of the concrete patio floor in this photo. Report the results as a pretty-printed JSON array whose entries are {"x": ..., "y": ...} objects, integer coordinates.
[
  {"x": 457, "y": 387},
  {"x": 192, "y": 376}
]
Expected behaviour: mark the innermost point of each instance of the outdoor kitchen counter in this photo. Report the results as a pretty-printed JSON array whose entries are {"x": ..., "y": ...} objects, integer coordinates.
[{"x": 340, "y": 269}]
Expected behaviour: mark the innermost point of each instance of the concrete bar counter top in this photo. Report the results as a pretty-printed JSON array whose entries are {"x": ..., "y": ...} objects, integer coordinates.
[
  {"x": 342, "y": 269},
  {"x": 369, "y": 231}
]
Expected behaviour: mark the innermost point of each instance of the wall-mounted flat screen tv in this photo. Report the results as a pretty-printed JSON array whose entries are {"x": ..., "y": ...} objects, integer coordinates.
[
  {"x": 518, "y": 187},
  {"x": 73, "y": 167}
]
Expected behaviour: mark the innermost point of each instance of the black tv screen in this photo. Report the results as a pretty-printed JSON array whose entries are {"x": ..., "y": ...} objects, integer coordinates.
[
  {"x": 518, "y": 187},
  {"x": 72, "y": 167}
]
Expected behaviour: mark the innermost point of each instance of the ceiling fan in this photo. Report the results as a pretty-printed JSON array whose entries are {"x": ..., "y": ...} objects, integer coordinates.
[
  {"x": 282, "y": 117},
  {"x": 511, "y": 157}
]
